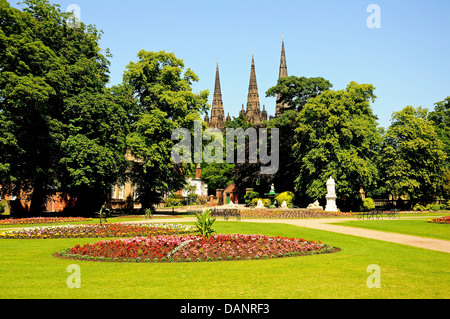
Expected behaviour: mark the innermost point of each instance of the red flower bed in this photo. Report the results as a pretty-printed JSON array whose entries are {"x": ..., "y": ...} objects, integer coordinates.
[
  {"x": 195, "y": 248},
  {"x": 441, "y": 220},
  {"x": 42, "y": 220}
]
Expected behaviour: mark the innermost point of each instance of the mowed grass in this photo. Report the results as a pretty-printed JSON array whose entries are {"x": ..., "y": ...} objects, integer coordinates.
[
  {"x": 28, "y": 270},
  {"x": 415, "y": 227}
]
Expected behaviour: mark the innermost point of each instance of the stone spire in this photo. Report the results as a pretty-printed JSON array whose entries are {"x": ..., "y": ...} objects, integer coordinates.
[
  {"x": 217, "y": 113},
  {"x": 280, "y": 107},
  {"x": 253, "y": 113}
]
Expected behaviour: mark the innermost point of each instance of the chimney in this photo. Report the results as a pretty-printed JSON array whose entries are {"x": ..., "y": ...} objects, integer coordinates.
[{"x": 198, "y": 172}]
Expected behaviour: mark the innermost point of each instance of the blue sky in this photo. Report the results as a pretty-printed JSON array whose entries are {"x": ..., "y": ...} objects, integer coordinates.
[{"x": 407, "y": 59}]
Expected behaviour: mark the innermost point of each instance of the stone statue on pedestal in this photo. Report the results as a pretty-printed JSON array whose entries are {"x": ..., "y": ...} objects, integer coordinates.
[{"x": 331, "y": 196}]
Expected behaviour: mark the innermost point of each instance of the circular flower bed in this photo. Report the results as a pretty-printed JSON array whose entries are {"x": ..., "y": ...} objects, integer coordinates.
[
  {"x": 440, "y": 220},
  {"x": 97, "y": 231},
  {"x": 190, "y": 248},
  {"x": 42, "y": 220}
]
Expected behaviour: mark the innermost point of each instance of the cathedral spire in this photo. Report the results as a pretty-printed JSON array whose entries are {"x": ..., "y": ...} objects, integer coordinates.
[
  {"x": 253, "y": 107},
  {"x": 280, "y": 107},
  {"x": 217, "y": 113}
]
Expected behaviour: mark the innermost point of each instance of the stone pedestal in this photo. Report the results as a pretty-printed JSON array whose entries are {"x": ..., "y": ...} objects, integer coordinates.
[{"x": 331, "y": 196}]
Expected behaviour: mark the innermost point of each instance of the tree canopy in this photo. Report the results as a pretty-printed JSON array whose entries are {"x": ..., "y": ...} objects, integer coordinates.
[
  {"x": 337, "y": 136},
  {"x": 413, "y": 157},
  {"x": 46, "y": 67},
  {"x": 165, "y": 101}
]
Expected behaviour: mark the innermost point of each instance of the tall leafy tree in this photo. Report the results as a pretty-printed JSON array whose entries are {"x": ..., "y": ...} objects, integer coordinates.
[
  {"x": 296, "y": 91},
  {"x": 165, "y": 101},
  {"x": 441, "y": 118},
  {"x": 46, "y": 68},
  {"x": 413, "y": 157},
  {"x": 337, "y": 136}
]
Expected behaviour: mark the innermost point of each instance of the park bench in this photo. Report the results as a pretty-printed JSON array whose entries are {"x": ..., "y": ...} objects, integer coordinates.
[
  {"x": 377, "y": 214},
  {"x": 226, "y": 213}
]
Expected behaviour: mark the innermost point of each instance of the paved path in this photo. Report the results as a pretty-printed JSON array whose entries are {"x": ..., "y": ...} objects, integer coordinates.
[{"x": 325, "y": 224}]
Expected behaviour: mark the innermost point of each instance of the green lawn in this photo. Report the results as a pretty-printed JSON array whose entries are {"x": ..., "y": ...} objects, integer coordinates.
[
  {"x": 28, "y": 270},
  {"x": 416, "y": 227}
]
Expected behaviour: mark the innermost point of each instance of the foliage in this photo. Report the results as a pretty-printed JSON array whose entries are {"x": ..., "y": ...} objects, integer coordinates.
[
  {"x": 368, "y": 204},
  {"x": 47, "y": 68},
  {"x": 170, "y": 201},
  {"x": 413, "y": 160},
  {"x": 249, "y": 196},
  {"x": 441, "y": 119},
  {"x": 217, "y": 175},
  {"x": 164, "y": 102},
  {"x": 2, "y": 207},
  {"x": 419, "y": 207},
  {"x": 288, "y": 197},
  {"x": 337, "y": 136},
  {"x": 204, "y": 223},
  {"x": 296, "y": 91}
]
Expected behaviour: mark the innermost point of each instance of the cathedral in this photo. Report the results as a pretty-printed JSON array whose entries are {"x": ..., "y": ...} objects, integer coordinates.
[{"x": 253, "y": 111}]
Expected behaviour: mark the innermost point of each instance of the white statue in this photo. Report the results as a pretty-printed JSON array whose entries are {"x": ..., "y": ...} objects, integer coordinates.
[
  {"x": 331, "y": 187},
  {"x": 284, "y": 205},
  {"x": 260, "y": 204},
  {"x": 331, "y": 196},
  {"x": 315, "y": 205}
]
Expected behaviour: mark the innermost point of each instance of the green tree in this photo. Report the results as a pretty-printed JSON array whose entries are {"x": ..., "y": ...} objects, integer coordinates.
[
  {"x": 94, "y": 147},
  {"x": 337, "y": 136},
  {"x": 296, "y": 91},
  {"x": 413, "y": 157},
  {"x": 43, "y": 63},
  {"x": 441, "y": 118},
  {"x": 165, "y": 101},
  {"x": 217, "y": 175}
]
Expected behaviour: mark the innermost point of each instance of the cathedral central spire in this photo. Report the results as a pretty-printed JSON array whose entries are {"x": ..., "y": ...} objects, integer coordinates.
[{"x": 253, "y": 112}]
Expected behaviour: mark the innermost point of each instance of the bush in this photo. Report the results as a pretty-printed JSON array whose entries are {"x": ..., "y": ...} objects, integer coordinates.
[
  {"x": 285, "y": 196},
  {"x": 202, "y": 199},
  {"x": 368, "y": 204},
  {"x": 169, "y": 202},
  {"x": 266, "y": 202},
  {"x": 192, "y": 198},
  {"x": 248, "y": 198},
  {"x": 419, "y": 207}
]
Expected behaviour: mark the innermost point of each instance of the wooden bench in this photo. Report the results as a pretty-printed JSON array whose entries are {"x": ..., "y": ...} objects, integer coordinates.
[
  {"x": 377, "y": 214},
  {"x": 226, "y": 213}
]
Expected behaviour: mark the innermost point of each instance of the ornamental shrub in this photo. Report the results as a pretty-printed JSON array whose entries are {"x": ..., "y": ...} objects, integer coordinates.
[
  {"x": 419, "y": 207},
  {"x": 285, "y": 196},
  {"x": 248, "y": 198},
  {"x": 368, "y": 204}
]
